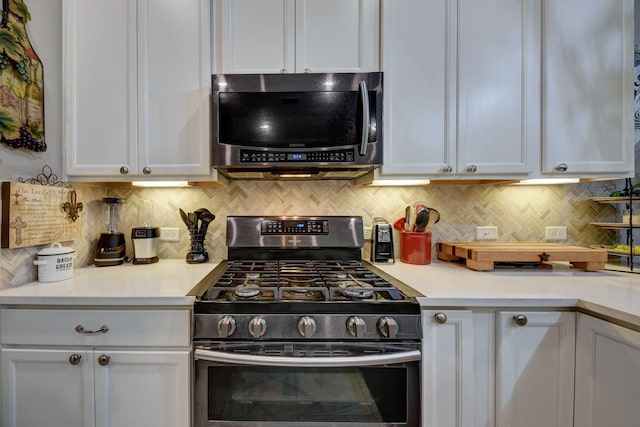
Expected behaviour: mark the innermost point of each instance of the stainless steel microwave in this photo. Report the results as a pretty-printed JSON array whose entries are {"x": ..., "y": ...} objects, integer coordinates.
[{"x": 278, "y": 126}]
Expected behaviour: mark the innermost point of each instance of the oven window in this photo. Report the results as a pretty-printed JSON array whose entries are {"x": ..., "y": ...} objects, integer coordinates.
[{"x": 288, "y": 394}]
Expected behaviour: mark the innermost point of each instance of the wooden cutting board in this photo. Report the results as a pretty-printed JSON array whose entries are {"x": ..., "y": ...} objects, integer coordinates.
[{"x": 483, "y": 256}]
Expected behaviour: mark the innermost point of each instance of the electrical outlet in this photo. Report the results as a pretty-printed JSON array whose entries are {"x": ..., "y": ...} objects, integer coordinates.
[
  {"x": 368, "y": 231},
  {"x": 487, "y": 232},
  {"x": 556, "y": 232},
  {"x": 169, "y": 234}
]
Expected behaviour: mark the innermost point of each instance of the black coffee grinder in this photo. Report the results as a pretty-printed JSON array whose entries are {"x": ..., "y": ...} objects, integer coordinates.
[
  {"x": 111, "y": 248},
  {"x": 382, "y": 244}
]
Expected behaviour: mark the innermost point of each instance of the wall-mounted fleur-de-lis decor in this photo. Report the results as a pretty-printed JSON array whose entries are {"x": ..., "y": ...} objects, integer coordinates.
[{"x": 72, "y": 207}]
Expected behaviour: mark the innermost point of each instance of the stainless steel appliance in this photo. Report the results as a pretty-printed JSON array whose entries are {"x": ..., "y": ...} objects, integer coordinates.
[
  {"x": 145, "y": 238},
  {"x": 145, "y": 244},
  {"x": 295, "y": 329},
  {"x": 111, "y": 248},
  {"x": 291, "y": 125},
  {"x": 382, "y": 245}
]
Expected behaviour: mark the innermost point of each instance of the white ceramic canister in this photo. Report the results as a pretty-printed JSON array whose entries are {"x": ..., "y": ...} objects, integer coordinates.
[{"x": 55, "y": 263}]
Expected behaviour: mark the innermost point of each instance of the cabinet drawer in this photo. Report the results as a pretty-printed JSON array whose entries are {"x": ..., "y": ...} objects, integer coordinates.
[{"x": 137, "y": 328}]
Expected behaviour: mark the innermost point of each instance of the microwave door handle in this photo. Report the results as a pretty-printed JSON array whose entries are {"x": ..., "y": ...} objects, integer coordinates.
[
  {"x": 307, "y": 362},
  {"x": 366, "y": 117}
]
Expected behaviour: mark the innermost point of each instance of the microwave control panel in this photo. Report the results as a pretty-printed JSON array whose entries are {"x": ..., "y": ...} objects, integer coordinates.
[{"x": 334, "y": 156}]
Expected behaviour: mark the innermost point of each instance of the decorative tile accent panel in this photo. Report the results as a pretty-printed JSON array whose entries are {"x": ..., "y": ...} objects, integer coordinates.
[{"x": 520, "y": 212}]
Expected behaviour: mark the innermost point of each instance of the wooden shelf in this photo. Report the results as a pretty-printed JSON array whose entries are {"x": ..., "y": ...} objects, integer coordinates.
[
  {"x": 614, "y": 225},
  {"x": 615, "y": 199}
]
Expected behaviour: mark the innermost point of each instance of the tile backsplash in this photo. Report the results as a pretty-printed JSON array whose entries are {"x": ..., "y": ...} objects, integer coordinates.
[{"x": 520, "y": 212}]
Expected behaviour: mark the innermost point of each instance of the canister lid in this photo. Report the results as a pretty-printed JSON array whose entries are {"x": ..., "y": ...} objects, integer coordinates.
[
  {"x": 113, "y": 200},
  {"x": 56, "y": 249}
]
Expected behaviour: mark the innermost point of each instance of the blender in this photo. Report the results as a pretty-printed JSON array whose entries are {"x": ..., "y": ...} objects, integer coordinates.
[
  {"x": 111, "y": 245},
  {"x": 145, "y": 237}
]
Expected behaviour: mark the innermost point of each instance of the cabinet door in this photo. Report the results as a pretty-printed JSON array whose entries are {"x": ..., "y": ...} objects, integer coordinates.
[
  {"x": 417, "y": 102},
  {"x": 588, "y": 86},
  {"x": 498, "y": 84},
  {"x": 174, "y": 87},
  {"x": 448, "y": 372},
  {"x": 256, "y": 36},
  {"x": 607, "y": 374},
  {"x": 461, "y": 87},
  {"x": 100, "y": 71},
  {"x": 43, "y": 388},
  {"x": 535, "y": 369},
  {"x": 337, "y": 35},
  {"x": 143, "y": 388}
]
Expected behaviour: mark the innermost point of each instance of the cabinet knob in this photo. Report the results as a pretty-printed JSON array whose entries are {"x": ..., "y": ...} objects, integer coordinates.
[
  {"x": 520, "y": 319},
  {"x": 283, "y": 71},
  {"x": 146, "y": 170},
  {"x": 74, "y": 359},
  {"x": 103, "y": 360},
  {"x": 447, "y": 169},
  {"x": 472, "y": 168},
  {"x": 562, "y": 167},
  {"x": 440, "y": 318},
  {"x": 307, "y": 70},
  {"x": 124, "y": 170}
]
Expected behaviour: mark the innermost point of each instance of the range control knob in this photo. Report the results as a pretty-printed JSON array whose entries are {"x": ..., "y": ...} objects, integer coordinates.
[
  {"x": 307, "y": 326},
  {"x": 257, "y": 327},
  {"x": 388, "y": 327},
  {"x": 356, "y": 326},
  {"x": 226, "y": 326}
]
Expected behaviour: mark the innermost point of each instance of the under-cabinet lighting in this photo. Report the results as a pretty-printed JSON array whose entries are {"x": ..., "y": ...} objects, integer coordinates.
[
  {"x": 547, "y": 181},
  {"x": 295, "y": 175},
  {"x": 399, "y": 182},
  {"x": 160, "y": 183}
]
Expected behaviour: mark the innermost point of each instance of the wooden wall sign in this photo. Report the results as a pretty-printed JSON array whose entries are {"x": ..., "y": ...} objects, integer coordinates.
[{"x": 35, "y": 215}]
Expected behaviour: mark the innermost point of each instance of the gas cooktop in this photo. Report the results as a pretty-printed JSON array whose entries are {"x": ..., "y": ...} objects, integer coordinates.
[{"x": 282, "y": 271}]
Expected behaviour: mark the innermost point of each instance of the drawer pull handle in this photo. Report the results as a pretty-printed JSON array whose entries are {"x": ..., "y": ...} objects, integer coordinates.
[
  {"x": 102, "y": 330},
  {"x": 74, "y": 359},
  {"x": 103, "y": 360}
]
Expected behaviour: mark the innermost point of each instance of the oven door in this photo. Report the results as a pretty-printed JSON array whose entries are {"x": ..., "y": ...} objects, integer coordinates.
[{"x": 307, "y": 384}]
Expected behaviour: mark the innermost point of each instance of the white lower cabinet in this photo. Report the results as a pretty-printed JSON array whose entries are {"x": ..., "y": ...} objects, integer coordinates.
[
  {"x": 498, "y": 368},
  {"x": 95, "y": 382},
  {"x": 457, "y": 371},
  {"x": 607, "y": 374},
  {"x": 535, "y": 369}
]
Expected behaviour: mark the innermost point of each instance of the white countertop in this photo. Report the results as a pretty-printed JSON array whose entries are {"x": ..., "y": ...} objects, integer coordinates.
[
  {"x": 165, "y": 283},
  {"x": 447, "y": 284},
  {"x": 443, "y": 284}
]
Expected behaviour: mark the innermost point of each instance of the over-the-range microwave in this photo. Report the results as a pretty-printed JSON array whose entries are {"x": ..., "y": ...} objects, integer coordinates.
[{"x": 279, "y": 126}]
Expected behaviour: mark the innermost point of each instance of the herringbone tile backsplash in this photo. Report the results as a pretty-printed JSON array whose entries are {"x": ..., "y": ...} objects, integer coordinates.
[{"x": 520, "y": 212}]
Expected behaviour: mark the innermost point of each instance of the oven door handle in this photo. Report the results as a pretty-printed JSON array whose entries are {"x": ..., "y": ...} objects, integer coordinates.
[{"x": 308, "y": 362}]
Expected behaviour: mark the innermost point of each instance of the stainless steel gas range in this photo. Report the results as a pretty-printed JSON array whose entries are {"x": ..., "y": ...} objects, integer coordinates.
[{"x": 295, "y": 329}]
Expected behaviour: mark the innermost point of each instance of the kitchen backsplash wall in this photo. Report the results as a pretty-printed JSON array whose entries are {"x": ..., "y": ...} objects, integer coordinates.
[{"x": 520, "y": 212}]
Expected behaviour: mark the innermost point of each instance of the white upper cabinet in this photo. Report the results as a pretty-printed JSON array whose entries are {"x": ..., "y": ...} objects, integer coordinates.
[
  {"x": 461, "y": 86},
  {"x": 137, "y": 85},
  {"x": 588, "y": 92},
  {"x": 296, "y": 36}
]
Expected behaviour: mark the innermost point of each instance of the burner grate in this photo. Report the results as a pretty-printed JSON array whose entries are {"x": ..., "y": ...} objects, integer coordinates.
[{"x": 296, "y": 280}]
